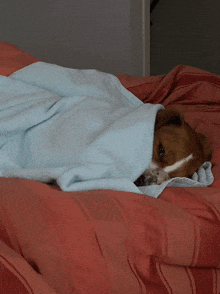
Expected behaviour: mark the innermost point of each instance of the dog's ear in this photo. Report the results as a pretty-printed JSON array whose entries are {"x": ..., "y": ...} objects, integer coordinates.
[
  {"x": 167, "y": 117},
  {"x": 207, "y": 151}
]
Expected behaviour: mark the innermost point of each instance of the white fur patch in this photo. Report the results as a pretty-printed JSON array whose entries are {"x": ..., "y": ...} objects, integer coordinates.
[
  {"x": 153, "y": 165},
  {"x": 178, "y": 164}
]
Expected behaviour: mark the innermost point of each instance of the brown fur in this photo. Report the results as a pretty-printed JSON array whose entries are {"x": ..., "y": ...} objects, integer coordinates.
[{"x": 179, "y": 140}]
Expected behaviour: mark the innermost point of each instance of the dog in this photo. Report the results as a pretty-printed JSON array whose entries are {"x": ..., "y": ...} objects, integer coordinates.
[{"x": 178, "y": 150}]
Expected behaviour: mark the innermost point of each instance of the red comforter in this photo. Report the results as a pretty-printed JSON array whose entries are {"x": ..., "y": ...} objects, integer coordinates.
[{"x": 117, "y": 242}]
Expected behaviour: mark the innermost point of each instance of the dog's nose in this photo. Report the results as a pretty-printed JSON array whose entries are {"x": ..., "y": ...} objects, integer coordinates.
[
  {"x": 140, "y": 181},
  {"x": 145, "y": 181},
  {"x": 150, "y": 181}
]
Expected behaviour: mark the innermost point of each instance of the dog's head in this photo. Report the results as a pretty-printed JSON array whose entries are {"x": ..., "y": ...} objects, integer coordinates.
[{"x": 178, "y": 150}]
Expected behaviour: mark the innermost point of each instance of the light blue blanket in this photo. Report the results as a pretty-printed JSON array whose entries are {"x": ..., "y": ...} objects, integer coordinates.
[{"x": 79, "y": 127}]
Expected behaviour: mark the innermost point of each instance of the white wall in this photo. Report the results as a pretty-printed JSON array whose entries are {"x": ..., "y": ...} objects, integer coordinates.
[{"x": 101, "y": 34}]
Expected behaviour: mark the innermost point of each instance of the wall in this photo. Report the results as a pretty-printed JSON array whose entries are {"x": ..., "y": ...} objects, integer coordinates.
[
  {"x": 101, "y": 34},
  {"x": 185, "y": 32}
]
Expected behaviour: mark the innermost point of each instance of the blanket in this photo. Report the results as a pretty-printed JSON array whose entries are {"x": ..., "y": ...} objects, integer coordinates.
[{"x": 81, "y": 128}]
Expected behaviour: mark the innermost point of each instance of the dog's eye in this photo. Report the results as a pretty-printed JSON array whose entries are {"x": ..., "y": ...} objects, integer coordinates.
[{"x": 160, "y": 151}]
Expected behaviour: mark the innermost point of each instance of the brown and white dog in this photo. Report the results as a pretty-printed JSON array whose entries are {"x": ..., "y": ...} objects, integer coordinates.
[{"x": 178, "y": 150}]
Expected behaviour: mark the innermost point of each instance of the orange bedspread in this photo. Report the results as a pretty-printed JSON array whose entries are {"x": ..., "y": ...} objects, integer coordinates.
[{"x": 117, "y": 242}]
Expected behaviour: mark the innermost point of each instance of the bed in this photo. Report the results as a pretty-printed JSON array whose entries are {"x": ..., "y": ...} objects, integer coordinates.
[{"x": 106, "y": 241}]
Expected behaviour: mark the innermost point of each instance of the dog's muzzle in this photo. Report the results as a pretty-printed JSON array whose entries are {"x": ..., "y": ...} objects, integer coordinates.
[{"x": 153, "y": 176}]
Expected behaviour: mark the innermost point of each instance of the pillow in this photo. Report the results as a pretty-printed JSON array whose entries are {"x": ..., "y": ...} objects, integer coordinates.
[{"x": 13, "y": 59}]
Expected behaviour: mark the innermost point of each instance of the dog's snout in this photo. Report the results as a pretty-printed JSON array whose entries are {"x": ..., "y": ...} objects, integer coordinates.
[
  {"x": 144, "y": 180},
  {"x": 152, "y": 176},
  {"x": 150, "y": 181},
  {"x": 140, "y": 181}
]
